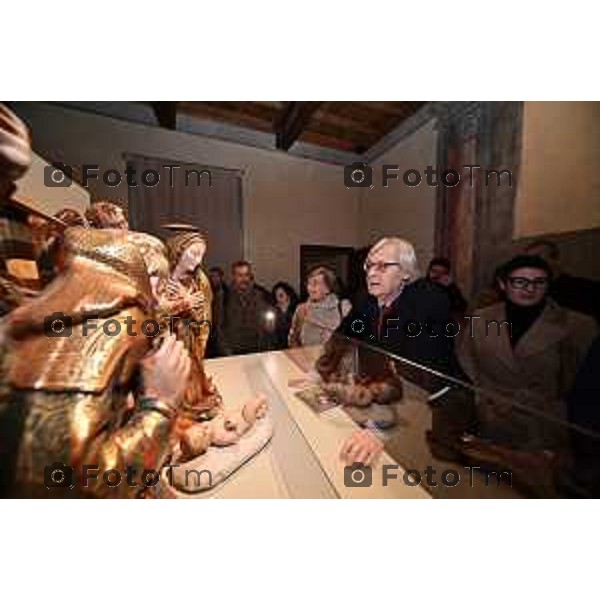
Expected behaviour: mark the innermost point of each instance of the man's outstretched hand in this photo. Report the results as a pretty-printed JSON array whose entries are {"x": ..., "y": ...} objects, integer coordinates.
[{"x": 362, "y": 446}]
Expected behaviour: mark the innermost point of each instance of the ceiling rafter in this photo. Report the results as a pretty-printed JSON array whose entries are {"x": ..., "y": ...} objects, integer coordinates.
[
  {"x": 292, "y": 122},
  {"x": 166, "y": 114},
  {"x": 349, "y": 126}
]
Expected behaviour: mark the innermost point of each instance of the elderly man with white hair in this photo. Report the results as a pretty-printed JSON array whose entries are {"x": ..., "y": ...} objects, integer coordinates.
[{"x": 403, "y": 315}]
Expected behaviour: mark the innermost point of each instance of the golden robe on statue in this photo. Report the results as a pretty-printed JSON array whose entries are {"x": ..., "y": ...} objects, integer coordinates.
[{"x": 68, "y": 382}]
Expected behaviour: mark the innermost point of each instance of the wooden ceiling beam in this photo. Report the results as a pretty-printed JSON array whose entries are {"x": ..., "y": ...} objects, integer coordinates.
[
  {"x": 327, "y": 141},
  {"x": 292, "y": 122},
  {"x": 166, "y": 114},
  {"x": 350, "y": 126},
  {"x": 251, "y": 109},
  {"x": 243, "y": 116},
  {"x": 343, "y": 133},
  {"x": 397, "y": 109},
  {"x": 330, "y": 116},
  {"x": 365, "y": 114}
]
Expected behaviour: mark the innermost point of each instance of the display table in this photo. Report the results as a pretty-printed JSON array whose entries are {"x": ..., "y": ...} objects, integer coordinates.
[{"x": 302, "y": 459}]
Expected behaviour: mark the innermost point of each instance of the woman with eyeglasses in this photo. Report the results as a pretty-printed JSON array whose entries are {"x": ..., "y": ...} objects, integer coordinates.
[{"x": 527, "y": 348}]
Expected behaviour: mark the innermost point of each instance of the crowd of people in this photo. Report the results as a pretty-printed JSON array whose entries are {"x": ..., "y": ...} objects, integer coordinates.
[
  {"x": 248, "y": 318},
  {"x": 544, "y": 361},
  {"x": 535, "y": 359}
]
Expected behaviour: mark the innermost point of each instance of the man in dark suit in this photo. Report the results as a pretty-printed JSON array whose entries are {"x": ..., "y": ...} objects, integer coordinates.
[
  {"x": 406, "y": 317},
  {"x": 439, "y": 272},
  {"x": 584, "y": 413},
  {"x": 247, "y": 316}
]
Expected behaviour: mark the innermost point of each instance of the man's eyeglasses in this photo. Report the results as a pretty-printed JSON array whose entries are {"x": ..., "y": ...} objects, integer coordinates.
[
  {"x": 380, "y": 267},
  {"x": 521, "y": 283}
]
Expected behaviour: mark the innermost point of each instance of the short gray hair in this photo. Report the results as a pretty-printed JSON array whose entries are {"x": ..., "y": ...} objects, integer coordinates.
[
  {"x": 405, "y": 255},
  {"x": 329, "y": 276}
]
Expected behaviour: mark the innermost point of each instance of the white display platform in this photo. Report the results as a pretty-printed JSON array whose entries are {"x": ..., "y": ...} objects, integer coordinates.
[{"x": 302, "y": 460}]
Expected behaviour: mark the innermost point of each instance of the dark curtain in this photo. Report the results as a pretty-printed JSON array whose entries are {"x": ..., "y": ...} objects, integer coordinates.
[{"x": 211, "y": 203}]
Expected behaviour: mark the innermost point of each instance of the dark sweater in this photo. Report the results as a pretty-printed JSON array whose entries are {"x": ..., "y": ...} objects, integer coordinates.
[{"x": 242, "y": 328}]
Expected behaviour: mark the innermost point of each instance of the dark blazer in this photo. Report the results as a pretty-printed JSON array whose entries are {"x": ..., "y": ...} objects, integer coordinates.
[
  {"x": 578, "y": 294},
  {"x": 242, "y": 326},
  {"x": 584, "y": 411},
  {"x": 584, "y": 404},
  {"x": 413, "y": 327}
]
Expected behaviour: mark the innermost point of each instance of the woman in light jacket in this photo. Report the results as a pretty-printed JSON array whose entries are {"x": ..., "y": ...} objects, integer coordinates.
[{"x": 316, "y": 319}]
